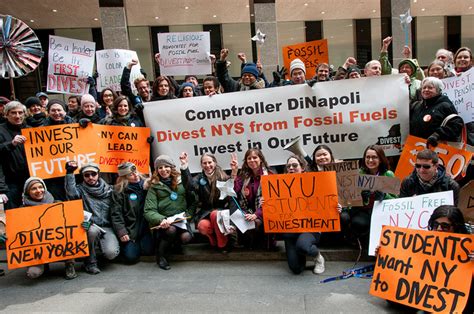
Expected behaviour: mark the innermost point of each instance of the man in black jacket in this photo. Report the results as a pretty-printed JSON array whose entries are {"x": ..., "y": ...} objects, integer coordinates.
[
  {"x": 13, "y": 161},
  {"x": 428, "y": 177}
]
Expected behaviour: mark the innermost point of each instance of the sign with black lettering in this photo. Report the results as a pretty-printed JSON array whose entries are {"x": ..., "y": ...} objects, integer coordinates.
[
  {"x": 45, "y": 233},
  {"x": 427, "y": 270}
]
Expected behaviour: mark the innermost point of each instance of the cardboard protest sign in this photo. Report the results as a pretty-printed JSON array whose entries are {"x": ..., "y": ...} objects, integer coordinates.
[
  {"x": 454, "y": 160},
  {"x": 427, "y": 270},
  {"x": 70, "y": 62},
  {"x": 406, "y": 212},
  {"x": 184, "y": 53},
  {"x": 460, "y": 89},
  {"x": 305, "y": 202},
  {"x": 336, "y": 113},
  {"x": 311, "y": 53},
  {"x": 347, "y": 176},
  {"x": 45, "y": 233},
  {"x": 379, "y": 183},
  {"x": 466, "y": 201},
  {"x": 110, "y": 64},
  {"x": 48, "y": 148}
]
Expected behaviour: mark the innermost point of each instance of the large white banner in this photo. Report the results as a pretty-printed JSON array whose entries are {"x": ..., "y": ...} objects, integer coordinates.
[
  {"x": 70, "y": 62},
  {"x": 460, "y": 89},
  {"x": 110, "y": 64},
  {"x": 406, "y": 212},
  {"x": 184, "y": 53},
  {"x": 347, "y": 115}
]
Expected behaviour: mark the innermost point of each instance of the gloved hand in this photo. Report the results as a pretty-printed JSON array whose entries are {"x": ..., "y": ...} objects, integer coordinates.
[
  {"x": 150, "y": 139},
  {"x": 86, "y": 225},
  {"x": 432, "y": 140},
  {"x": 143, "y": 72},
  {"x": 95, "y": 75},
  {"x": 379, "y": 196},
  {"x": 71, "y": 167},
  {"x": 90, "y": 81},
  {"x": 279, "y": 74},
  {"x": 84, "y": 122},
  {"x": 139, "y": 107},
  {"x": 311, "y": 82},
  {"x": 3, "y": 237}
]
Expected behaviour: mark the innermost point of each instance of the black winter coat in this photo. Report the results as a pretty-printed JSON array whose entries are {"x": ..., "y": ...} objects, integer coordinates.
[{"x": 13, "y": 158}]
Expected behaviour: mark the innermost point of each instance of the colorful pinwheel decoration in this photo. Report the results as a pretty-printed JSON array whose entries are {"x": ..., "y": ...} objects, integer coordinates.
[{"x": 20, "y": 49}]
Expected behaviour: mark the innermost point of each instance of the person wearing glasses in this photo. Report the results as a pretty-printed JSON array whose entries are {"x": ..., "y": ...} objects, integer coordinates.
[
  {"x": 299, "y": 245},
  {"x": 428, "y": 177},
  {"x": 128, "y": 201},
  {"x": 96, "y": 197},
  {"x": 356, "y": 220}
]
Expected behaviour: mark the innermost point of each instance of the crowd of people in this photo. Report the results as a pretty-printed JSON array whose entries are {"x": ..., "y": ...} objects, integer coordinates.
[{"x": 134, "y": 214}]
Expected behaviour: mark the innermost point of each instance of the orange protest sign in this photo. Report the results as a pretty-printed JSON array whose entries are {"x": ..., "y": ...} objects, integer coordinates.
[
  {"x": 45, "y": 233},
  {"x": 427, "y": 270},
  {"x": 454, "y": 160},
  {"x": 304, "y": 202},
  {"x": 311, "y": 53},
  {"x": 48, "y": 148}
]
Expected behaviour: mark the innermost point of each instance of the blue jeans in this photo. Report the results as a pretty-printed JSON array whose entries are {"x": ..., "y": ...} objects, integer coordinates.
[
  {"x": 298, "y": 246},
  {"x": 132, "y": 250}
]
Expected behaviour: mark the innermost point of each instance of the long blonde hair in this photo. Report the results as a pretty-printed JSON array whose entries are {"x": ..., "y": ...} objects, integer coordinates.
[
  {"x": 175, "y": 178},
  {"x": 122, "y": 182}
]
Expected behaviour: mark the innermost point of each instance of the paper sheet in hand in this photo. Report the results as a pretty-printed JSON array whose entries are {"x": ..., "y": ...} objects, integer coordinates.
[
  {"x": 181, "y": 224},
  {"x": 87, "y": 216},
  {"x": 239, "y": 220}
]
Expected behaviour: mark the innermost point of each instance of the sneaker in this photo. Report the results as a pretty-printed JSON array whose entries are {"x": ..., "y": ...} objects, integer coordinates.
[
  {"x": 92, "y": 268},
  {"x": 70, "y": 271},
  {"x": 319, "y": 264}
]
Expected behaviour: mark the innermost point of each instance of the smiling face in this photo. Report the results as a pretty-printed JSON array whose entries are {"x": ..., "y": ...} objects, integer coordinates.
[
  {"x": 144, "y": 90},
  {"x": 425, "y": 169},
  {"x": 209, "y": 87},
  {"x": 56, "y": 112},
  {"x": 463, "y": 60},
  {"x": 248, "y": 79},
  {"x": 88, "y": 108},
  {"x": 35, "y": 109},
  {"x": 253, "y": 161},
  {"x": 164, "y": 171},
  {"x": 323, "y": 73},
  {"x": 437, "y": 71},
  {"x": 163, "y": 88},
  {"x": 122, "y": 108},
  {"x": 91, "y": 177},
  {"x": 133, "y": 177},
  {"x": 322, "y": 157},
  {"x": 208, "y": 165},
  {"x": 406, "y": 68},
  {"x": 293, "y": 166},
  {"x": 15, "y": 116},
  {"x": 108, "y": 98},
  {"x": 372, "y": 161},
  {"x": 428, "y": 91},
  {"x": 36, "y": 191}
]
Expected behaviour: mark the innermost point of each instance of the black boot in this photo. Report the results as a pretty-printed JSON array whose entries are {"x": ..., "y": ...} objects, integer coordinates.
[{"x": 163, "y": 263}]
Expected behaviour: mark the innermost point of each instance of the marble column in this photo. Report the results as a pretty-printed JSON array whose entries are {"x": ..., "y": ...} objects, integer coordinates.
[
  {"x": 265, "y": 20},
  {"x": 113, "y": 19},
  {"x": 391, "y": 11}
]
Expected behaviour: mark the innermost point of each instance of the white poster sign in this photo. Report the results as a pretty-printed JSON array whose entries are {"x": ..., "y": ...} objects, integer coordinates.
[
  {"x": 460, "y": 89},
  {"x": 347, "y": 115},
  {"x": 70, "y": 62},
  {"x": 110, "y": 64},
  {"x": 407, "y": 212},
  {"x": 185, "y": 53}
]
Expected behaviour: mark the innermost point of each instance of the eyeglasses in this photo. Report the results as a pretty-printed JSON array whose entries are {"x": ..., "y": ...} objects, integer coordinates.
[
  {"x": 444, "y": 226},
  {"x": 90, "y": 174},
  {"x": 294, "y": 165},
  {"x": 425, "y": 166}
]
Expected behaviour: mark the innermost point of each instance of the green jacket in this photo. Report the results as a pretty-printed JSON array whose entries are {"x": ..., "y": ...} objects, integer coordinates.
[{"x": 158, "y": 204}]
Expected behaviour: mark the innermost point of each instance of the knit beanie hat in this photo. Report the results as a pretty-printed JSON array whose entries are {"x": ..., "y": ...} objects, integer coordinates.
[
  {"x": 54, "y": 102},
  {"x": 87, "y": 98},
  {"x": 29, "y": 182},
  {"x": 297, "y": 64},
  {"x": 164, "y": 160},
  {"x": 352, "y": 68},
  {"x": 250, "y": 68},
  {"x": 126, "y": 168},
  {"x": 30, "y": 101},
  {"x": 90, "y": 167}
]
